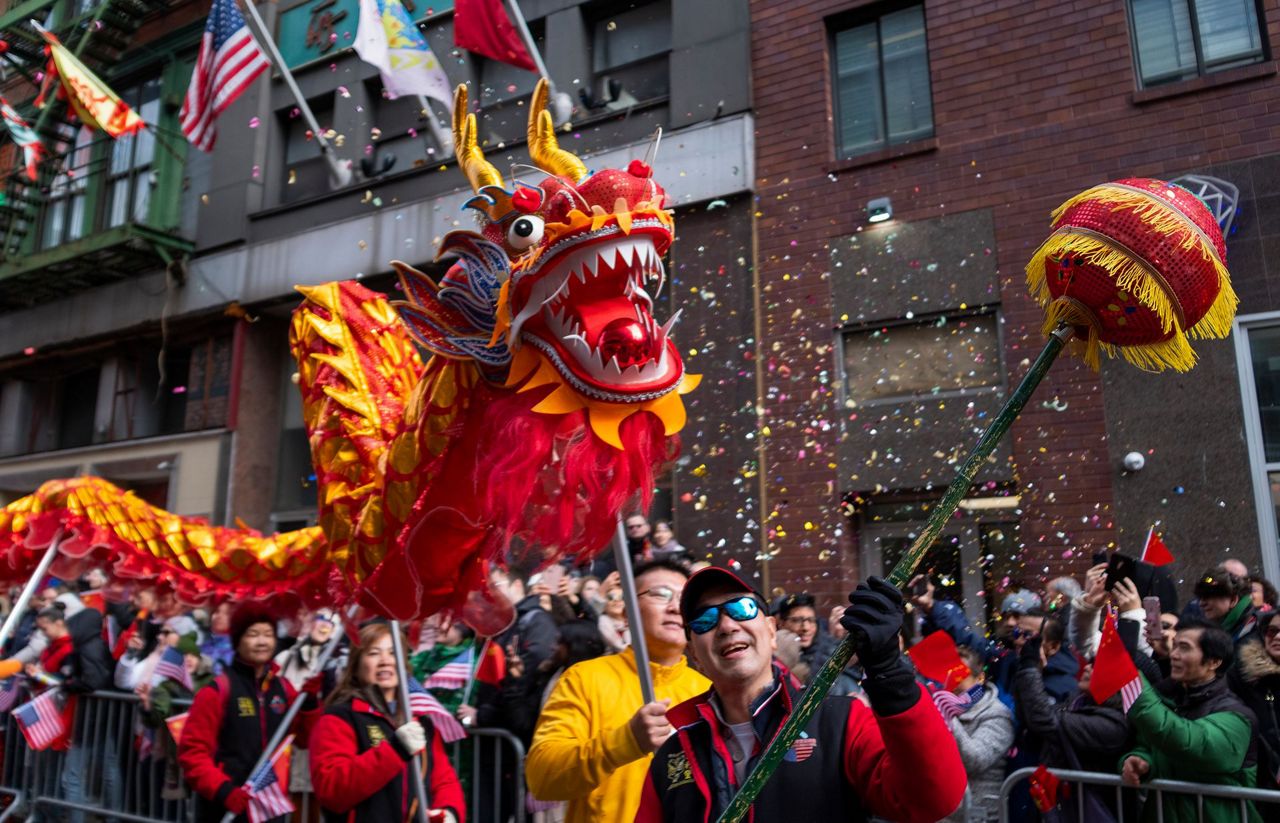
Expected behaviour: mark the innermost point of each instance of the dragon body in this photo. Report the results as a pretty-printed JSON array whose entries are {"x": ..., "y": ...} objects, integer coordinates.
[{"x": 505, "y": 414}]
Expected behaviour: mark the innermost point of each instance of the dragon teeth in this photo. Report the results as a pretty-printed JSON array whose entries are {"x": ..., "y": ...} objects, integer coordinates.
[{"x": 666, "y": 327}]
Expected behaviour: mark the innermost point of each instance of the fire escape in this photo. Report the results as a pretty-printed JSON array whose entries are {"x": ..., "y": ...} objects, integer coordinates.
[{"x": 34, "y": 268}]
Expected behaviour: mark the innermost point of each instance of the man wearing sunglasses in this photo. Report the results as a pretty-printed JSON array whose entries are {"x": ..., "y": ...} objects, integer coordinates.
[
  {"x": 895, "y": 760},
  {"x": 595, "y": 736}
]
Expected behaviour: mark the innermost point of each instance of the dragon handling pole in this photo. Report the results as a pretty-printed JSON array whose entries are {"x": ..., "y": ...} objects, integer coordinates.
[{"x": 826, "y": 676}]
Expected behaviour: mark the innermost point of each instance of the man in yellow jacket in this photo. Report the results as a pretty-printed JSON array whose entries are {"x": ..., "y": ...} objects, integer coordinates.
[{"x": 595, "y": 738}]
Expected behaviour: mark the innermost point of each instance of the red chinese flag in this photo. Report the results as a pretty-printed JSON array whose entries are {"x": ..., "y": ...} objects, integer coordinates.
[
  {"x": 482, "y": 26},
  {"x": 492, "y": 668},
  {"x": 1155, "y": 552},
  {"x": 176, "y": 725},
  {"x": 936, "y": 658},
  {"x": 1113, "y": 669}
]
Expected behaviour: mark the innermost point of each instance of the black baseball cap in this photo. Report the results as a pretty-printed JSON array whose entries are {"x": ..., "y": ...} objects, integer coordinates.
[{"x": 709, "y": 578}]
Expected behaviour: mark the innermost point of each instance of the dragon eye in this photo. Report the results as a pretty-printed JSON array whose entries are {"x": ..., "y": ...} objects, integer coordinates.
[{"x": 525, "y": 232}]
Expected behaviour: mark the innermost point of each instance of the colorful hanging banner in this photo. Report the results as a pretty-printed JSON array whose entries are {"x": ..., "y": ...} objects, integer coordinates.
[
  {"x": 24, "y": 136},
  {"x": 94, "y": 102}
]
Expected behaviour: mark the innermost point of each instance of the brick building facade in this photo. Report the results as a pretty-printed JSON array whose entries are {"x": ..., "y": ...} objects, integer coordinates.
[{"x": 1031, "y": 101}]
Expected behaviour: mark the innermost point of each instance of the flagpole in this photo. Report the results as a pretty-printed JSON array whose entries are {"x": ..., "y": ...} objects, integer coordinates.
[
  {"x": 484, "y": 652},
  {"x": 339, "y": 173},
  {"x": 443, "y": 137},
  {"x": 564, "y": 105}
]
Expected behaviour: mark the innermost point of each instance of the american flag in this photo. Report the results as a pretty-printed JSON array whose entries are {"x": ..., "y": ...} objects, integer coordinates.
[
  {"x": 229, "y": 61},
  {"x": 268, "y": 786},
  {"x": 455, "y": 673},
  {"x": 10, "y": 688},
  {"x": 423, "y": 702},
  {"x": 41, "y": 720},
  {"x": 172, "y": 666}
]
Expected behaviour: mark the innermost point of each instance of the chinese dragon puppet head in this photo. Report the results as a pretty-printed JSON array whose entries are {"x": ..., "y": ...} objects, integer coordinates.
[{"x": 550, "y": 398}]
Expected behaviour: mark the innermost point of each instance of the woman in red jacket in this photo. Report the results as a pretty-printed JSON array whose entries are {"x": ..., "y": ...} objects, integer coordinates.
[
  {"x": 362, "y": 747},
  {"x": 233, "y": 718}
]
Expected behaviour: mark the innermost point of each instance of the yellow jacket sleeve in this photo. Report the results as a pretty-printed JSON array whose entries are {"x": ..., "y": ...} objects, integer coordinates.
[{"x": 566, "y": 761}]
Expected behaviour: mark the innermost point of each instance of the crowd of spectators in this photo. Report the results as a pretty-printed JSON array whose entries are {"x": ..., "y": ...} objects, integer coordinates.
[{"x": 563, "y": 681}]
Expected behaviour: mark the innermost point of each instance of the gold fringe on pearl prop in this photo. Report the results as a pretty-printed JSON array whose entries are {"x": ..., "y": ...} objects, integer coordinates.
[{"x": 1136, "y": 276}]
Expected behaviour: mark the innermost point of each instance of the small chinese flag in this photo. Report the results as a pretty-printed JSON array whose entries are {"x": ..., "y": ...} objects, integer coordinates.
[
  {"x": 1155, "y": 552},
  {"x": 1113, "y": 669},
  {"x": 176, "y": 724},
  {"x": 492, "y": 668},
  {"x": 936, "y": 658}
]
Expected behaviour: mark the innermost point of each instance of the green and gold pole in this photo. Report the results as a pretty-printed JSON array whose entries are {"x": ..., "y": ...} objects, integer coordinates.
[{"x": 821, "y": 682}]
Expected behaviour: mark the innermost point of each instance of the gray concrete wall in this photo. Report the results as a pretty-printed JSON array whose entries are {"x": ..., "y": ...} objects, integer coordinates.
[{"x": 915, "y": 270}]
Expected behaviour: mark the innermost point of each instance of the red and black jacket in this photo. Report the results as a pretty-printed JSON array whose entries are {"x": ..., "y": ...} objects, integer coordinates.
[
  {"x": 850, "y": 763},
  {"x": 230, "y": 723},
  {"x": 56, "y": 659},
  {"x": 360, "y": 772}
]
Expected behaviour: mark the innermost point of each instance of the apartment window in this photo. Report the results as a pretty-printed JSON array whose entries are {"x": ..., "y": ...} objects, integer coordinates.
[
  {"x": 629, "y": 50},
  {"x": 66, "y": 213},
  {"x": 130, "y": 177},
  {"x": 946, "y": 354},
  {"x": 881, "y": 73},
  {"x": 305, "y": 172},
  {"x": 1258, "y": 364},
  {"x": 1179, "y": 39}
]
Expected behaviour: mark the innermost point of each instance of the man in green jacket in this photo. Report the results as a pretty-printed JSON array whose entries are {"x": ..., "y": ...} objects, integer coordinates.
[{"x": 1192, "y": 727}]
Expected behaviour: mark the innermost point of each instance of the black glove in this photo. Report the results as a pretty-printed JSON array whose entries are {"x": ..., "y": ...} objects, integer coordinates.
[
  {"x": 1029, "y": 657},
  {"x": 873, "y": 619}
]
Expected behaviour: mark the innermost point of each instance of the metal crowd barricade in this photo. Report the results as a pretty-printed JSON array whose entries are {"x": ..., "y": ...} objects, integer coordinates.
[
  {"x": 496, "y": 791},
  {"x": 103, "y": 773},
  {"x": 1154, "y": 790},
  {"x": 115, "y": 783}
]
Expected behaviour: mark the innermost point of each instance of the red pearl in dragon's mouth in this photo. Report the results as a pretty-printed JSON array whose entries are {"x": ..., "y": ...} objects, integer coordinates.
[{"x": 627, "y": 340}]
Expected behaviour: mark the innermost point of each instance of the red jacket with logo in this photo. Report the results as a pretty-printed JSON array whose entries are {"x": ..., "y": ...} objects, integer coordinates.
[
  {"x": 230, "y": 723},
  {"x": 360, "y": 771},
  {"x": 849, "y": 764}
]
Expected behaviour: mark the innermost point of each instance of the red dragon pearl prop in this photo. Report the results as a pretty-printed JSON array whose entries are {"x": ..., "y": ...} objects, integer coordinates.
[{"x": 1136, "y": 266}]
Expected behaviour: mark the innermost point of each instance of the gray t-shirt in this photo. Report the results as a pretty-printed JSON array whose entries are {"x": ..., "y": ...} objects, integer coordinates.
[{"x": 741, "y": 745}]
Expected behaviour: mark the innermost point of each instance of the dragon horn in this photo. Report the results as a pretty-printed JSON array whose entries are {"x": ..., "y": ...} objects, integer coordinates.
[
  {"x": 479, "y": 172},
  {"x": 543, "y": 148}
]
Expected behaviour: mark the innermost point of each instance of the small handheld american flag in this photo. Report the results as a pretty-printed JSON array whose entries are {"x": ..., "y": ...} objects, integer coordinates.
[
  {"x": 268, "y": 796},
  {"x": 172, "y": 666},
  {"x": 10, "y": 688},
  {"x": 455, "y": 673},
  {"x": 41, "y": 720},
  {"x": 423, "y": 702}
]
